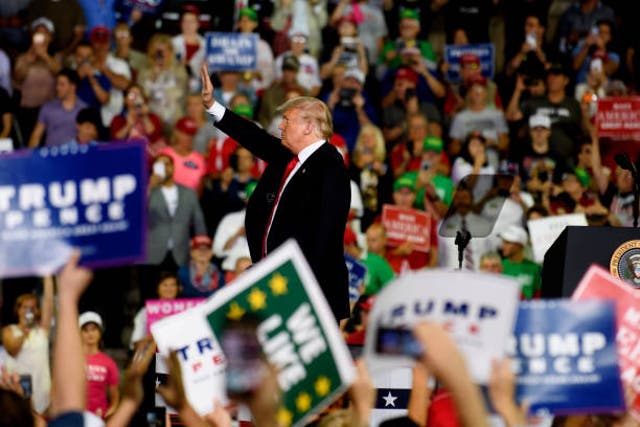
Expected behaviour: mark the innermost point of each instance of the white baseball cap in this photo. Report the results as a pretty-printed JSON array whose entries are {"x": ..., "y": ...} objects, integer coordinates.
[
  {"x": 539, "y": 120},
  {"x": 90, "y": 317},
  {"x": 356, "y": 74},
  {"x": 515, "y": 234}
]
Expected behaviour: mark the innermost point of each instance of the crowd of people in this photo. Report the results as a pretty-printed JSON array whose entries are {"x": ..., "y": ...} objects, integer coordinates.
[{"x": 479, "y": 153}]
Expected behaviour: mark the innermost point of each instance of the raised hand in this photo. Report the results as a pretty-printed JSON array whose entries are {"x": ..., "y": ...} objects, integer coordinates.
[{"x": 207, "y": 87}]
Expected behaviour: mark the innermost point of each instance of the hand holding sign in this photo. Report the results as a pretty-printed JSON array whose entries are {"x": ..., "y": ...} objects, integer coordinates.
[{"x": 443, "y": 358}]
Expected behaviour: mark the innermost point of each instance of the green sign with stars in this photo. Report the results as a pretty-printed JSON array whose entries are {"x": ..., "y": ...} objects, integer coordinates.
[{"x": 296, "y": 329}]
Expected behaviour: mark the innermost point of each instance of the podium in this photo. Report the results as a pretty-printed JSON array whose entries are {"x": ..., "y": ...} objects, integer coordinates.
[{"x": 575, "y": 250}]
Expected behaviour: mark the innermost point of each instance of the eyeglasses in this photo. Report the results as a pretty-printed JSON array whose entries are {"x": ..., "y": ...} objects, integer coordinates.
[{"x": 299, "y": 39}]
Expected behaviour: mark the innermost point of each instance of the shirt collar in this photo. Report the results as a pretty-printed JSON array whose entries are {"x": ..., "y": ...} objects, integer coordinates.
[{"x": 309, "y": 150}]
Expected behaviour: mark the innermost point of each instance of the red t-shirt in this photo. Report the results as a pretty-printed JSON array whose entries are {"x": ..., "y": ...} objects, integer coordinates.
[
  {"x": 218, "y": 158},
  {"x": 102, "y": 373}
]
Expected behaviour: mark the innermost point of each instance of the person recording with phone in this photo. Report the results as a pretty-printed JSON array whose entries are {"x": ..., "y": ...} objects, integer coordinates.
[
  {"x": 596, "y": 44},
  {"x": 350, "y": 106},
  {"x": 403, "y": 100},
  {"x": 540, "y": 164},
  {"x": 532, "y": 47},
  {"x": 350, "y": 52},
  {"x": 27, "y": 342},
  {"x": 173, "y": 210},
  {"x": 137, "y": 122}
]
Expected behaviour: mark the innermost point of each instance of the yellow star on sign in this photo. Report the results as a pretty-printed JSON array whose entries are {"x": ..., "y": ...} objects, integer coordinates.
[
  {"x": 322, "y": 386},
  {"x": 257, "y": 299},
  {"x": 284, "y": 417},
  {"x": 278, "y": 284},
  {"x": 303, "y": 402},
  {"x": 235, "y": 311}
]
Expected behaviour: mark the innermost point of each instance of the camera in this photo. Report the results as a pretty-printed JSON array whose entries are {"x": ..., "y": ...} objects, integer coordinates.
[
  {"x": 30, "y": 317},
  {"x": 409, "y": 93},
  {"x": 346, "y": 97},
  {"x": 349, "y": 43},
  {"x": 26, "y": 385},
  {"x": 245, "y": 365},
  {"x": 543, "y": 176},
  {"x": 398, "y": 342},
  {"x": 531, "y": 81}
]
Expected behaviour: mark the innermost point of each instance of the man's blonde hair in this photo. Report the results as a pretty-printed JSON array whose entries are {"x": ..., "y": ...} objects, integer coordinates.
[{"x": 311, "y": 109}]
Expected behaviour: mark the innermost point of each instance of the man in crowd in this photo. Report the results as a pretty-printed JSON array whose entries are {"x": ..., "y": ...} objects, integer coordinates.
[
  {"x": 514, "y": 239},
  {"x": 58, "y": 117},
  {"x": 173, "y": 211}
]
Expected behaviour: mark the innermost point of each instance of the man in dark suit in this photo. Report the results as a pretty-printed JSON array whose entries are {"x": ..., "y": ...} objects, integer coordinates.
[{"x": 304, "y": 192}]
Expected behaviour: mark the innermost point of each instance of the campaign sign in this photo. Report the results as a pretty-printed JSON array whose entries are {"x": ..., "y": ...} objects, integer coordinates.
[
  {"x": 619, "y": 117},
  {"x": 407, "y": 225},
  {"x": 146, "y": 6},
  {"x": 201, "y": 359},
  {"x": 89, "y": 197},
  {"x": 564, "y": 353},
  {"x": 357, "y": 273},
  {"x": 296, "y": 329},
  {"x": 231, "y": 51},
  {"x": 484, "y": 51},
  {"x": 157, "y": 309},
  {"x": 477, "y": 309},
  {"x": 545, "y": 231},
  {"x": 598, "y": 283}
]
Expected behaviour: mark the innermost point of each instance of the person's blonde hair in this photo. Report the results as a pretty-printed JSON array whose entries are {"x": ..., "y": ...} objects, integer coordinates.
[
  {"x": 311, "y": 109},
  {"x": 163, "y": 39},
  {"x": 380, "y": 150}
]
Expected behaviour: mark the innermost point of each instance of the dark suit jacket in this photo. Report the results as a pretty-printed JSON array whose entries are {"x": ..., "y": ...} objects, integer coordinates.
[
  {"x": 313, "y": 208},
  {"x": 163, "y": 226}
]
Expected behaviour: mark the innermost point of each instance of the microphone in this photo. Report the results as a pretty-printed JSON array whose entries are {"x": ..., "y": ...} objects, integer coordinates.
[
  {"x": 623, "y": 160},
  {"x": 462, "y": 238}
]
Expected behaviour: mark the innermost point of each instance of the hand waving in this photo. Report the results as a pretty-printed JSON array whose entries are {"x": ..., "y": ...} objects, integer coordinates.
[{"x": 207, "y": 87}]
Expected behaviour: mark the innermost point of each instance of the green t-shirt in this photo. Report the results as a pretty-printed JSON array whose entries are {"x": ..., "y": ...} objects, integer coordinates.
[
  {"x": 424, "y": 46},
  {"x": 528, "y": 275},
  {"x": 443, "y": 185},
  {"x": 379, "y": 273}
]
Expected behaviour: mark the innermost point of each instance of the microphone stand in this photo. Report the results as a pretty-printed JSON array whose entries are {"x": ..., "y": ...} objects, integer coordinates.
[{"x": 463, "y": 237}]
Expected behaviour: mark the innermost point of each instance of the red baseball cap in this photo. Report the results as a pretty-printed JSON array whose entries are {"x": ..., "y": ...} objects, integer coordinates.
[
  {"x": 100, "y": 34},
  {"x": 469, "y": 58},
  {"x": 405, "y": 73},
  {"x": 187, "y": 125},
  {"x": 201, "y": 240}
]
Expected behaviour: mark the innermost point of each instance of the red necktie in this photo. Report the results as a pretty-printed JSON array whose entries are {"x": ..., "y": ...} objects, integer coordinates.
[{"x": 287, "y": 171}]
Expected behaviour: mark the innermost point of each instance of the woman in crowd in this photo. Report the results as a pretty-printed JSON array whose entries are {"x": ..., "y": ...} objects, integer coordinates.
[
  {"x": 371, "y": 172},
  {"x": 103, "y": 395},
  {"x": 167, "y": 288},
  {"x": 137, "y": 122},
  {"x": 473, "y": 161},
  {"x": 27, "y": 342},
  {"x": 164, "y": 81}
]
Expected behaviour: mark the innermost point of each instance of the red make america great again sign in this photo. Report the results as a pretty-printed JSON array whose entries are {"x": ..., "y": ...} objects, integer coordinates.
[{"x": 619, "y": 117}]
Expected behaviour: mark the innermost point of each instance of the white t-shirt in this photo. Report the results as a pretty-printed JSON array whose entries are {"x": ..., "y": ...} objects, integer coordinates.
[
  {"x": 33, "y": 359},
  {"x": 171, "y": 197},
  {"x": 116, "y": 96}
]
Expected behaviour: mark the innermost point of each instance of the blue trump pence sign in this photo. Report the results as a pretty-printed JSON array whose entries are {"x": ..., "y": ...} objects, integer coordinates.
[
  {"x": 89, "y": 197},
  {"x": 565, "y": 357}
]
